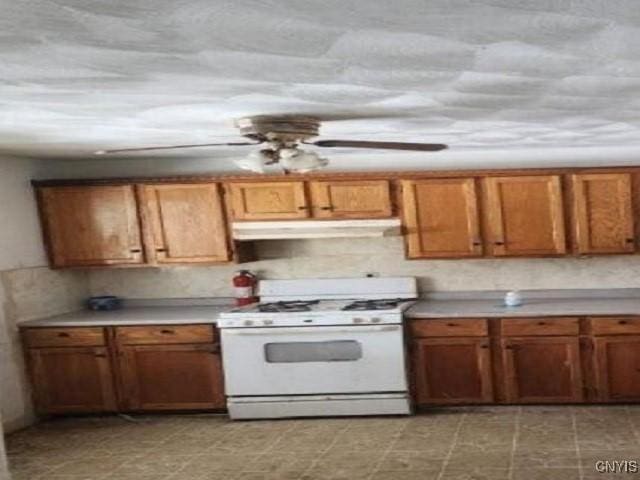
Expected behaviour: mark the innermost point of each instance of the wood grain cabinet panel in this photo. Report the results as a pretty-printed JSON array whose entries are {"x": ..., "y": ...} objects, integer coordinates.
[
  {"x": 441, "y": 218},
  {"x": 72, "y": 380},
  {"x": 165, "y": 334},
  {"x": 64, "y": 337},
  {"x": 351, "y": 199},
  {"x": 603, "y": 213},
  {"x": 268, "y": 200},
  {"x": 91, "y": 225},
  {"x": 186, "y": 223},
  {"x": 525, "y": 215},
  {"x": 542, "y": 370},
  {"x": 618, "y": 368},
  {"x": 171, "y": 377},
  {"x": 452, "y": 370}
]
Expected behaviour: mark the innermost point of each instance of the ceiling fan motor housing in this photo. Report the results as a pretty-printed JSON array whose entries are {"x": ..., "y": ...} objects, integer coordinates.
[{"x": 285, "y": 129}]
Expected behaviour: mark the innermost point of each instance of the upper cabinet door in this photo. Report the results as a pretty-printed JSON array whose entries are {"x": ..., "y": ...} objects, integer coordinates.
[
  {"x": 351, "y": 199},
  {"x": 525, "y": 216},
  {"x": 603, "y": 213},
  {"x": 91, "y": 225},
  {"x": 268, "y": 200},
  {"x": 185, "y": 223},
  {"x": 441, "y": 218}
]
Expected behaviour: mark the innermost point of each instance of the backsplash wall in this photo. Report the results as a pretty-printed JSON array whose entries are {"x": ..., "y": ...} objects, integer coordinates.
[{"x": 385, "y": 256}]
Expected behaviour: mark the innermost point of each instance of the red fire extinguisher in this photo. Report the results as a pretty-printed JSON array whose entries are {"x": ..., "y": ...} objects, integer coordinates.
[{"x": 244, "y": 285}]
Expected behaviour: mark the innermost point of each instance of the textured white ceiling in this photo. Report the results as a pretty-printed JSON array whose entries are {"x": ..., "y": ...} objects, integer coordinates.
[{"x": 480, "y": 75}]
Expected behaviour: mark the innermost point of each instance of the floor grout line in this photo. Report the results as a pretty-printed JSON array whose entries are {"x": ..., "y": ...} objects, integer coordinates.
[
  {"x": 383, "y": 456},
  {"x": 322, "y": 452},
  {"x": 514, "y": 443},
  {"x": 454, "y": 440},
  {"x": 574, "y": 426}
]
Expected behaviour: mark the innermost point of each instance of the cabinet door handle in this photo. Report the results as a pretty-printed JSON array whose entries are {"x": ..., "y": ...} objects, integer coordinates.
[
  {"x": 484, "y": 346},
  {"x": 326, "y": 208},
  {"x": 63, "y": 335},
  {"x": 100, "y": 355},
  {"x": 167, "y": 332},
  {"x": 452, "y": 324},
  {"x": 498, "y": 242},
  {"x": 477, "y": 243},
  {"x": 303, "y": 207},
  {"x": 161, "y": 249},
  {"x": 136, "y": 250},
  {"x": 622, "y": 322},
  {"x": 630, "y": 240},
  {"x": 542, "y": 323}
]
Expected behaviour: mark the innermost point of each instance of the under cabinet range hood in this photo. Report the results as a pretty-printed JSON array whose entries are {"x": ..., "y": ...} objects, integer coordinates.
[{"x": 291, "y": 229}]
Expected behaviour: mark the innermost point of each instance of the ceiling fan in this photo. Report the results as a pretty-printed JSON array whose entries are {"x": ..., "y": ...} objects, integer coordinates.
[{"x": 282, "y": 136}]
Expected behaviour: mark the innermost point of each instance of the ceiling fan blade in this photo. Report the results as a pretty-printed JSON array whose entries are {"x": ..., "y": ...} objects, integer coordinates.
[
  {"x": 422, "y": 147},
  {"x": 172, "y": 147}
]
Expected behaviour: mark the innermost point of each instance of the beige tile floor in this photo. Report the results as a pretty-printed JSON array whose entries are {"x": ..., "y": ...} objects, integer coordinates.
[{"x": 515, "y": 443}]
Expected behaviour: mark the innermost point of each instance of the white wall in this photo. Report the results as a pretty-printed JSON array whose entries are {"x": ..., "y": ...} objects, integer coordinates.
[{"x": 28, "y": 289}]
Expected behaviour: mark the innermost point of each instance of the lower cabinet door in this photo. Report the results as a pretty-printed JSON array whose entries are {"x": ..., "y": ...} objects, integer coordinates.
[
  {"x": 452, "y": 370},
  {"x": 72, "y": 380},
  {"x": 171, "y": 377},
  {"x": 618, "y": 368},
  {"x": 542, "y": 370}
]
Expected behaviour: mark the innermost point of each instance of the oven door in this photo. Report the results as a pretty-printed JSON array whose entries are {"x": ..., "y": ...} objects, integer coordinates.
[{"x": 313, "y": 360}]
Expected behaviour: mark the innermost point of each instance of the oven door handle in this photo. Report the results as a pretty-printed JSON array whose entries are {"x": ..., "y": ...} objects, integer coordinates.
[{"x": 241, "y": 332}]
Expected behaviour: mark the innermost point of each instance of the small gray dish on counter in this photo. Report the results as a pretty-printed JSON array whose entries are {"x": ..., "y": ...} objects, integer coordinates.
[{"x": 104, "y": 303}]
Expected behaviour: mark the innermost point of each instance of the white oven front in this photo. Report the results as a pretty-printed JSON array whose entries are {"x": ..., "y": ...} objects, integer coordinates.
[{"x": 313, "y": 360}]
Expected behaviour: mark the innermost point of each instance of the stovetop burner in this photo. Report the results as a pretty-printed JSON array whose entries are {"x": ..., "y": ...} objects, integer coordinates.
[
  {"x": 289, "y": 306},
  {"x": 375, "y": 304}
]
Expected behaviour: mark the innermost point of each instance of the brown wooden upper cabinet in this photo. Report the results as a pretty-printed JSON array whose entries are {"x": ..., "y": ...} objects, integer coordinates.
[
  {"x": 525, "y": 215},
  {"x": 91, "y": 225},
  {"x": 268, "y": 201},
  {"x": 441, "y": 218},
  {"x": 603, "y": 213},
  {"x": 185, "y": 223},
  {"x": 351, "y": 199}
]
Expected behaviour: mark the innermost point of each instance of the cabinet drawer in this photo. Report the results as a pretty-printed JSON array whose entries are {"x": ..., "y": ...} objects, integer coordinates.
[
  {"x": 615, "y": 325},
  {"x": 440, "y": 327},
  {"x": 518, "y": 327},
  {"x": 64, "y": 337},
  {"x": 164, "y": 334}
]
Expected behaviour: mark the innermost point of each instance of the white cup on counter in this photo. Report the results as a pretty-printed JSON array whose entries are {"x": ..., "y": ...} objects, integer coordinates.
[{"x": 513, "y": 298}]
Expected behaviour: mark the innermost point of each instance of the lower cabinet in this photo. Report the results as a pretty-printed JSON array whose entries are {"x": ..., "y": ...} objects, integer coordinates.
[
  {"x": 171, "y": 377},
  {"x": 72, "y": 379},
  {"x": 542, "y": 370},
  {"x": 617, "y": 360},
  {"x": 141, "y": 368},
  {"x": 452, "y": 370}
]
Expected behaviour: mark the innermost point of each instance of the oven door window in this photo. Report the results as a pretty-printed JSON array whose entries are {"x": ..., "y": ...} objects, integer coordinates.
[{"x": 299, "y": 352}]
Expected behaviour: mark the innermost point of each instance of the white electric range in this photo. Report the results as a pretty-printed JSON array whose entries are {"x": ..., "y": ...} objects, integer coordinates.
[{"x": 318, "y": 347}]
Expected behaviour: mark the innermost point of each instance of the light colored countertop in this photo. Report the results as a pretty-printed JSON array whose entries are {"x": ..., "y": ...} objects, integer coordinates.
[
  {"x": 152, "y": 315},
  {"x": 534, "y": 307}
]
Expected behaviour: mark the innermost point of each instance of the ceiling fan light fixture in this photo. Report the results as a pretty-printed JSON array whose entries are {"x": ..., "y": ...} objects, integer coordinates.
[
  {"x": 256, "y": 161},
  {"x": 301, "y": 161}
]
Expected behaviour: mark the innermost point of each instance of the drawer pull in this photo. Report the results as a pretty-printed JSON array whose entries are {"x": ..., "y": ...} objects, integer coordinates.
[
  {"x": 136, "y": 250},
  {"x": 630, "y": 240},
  {"x": 484, "y": 346},
  {"x": 63, "y": 335},
  {"x": 542, "y": 323},
  {"x": 167, "y": 332},
  {"x": 622, "y": 322},
  {"x": 101, "y": 355},
  {"x": 499, "y": 243},
  {"x": 303, "y": 208},
  {"x": 326, "y": 208},
  {"x": 452, "y": 324}
]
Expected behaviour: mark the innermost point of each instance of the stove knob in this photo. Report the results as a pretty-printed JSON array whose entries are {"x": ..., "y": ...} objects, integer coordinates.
[
  {"x": 268, "y": 322},
  {"x": 248, "y": 323},
  {"x": 376, "y": 320},
  {"x": 358, "y": 320}
]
